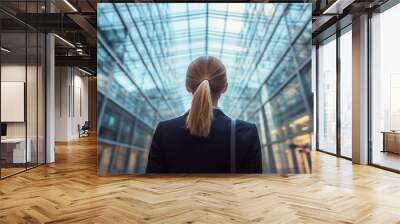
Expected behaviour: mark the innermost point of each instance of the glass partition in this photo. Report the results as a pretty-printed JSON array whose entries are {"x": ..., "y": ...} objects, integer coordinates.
[
  {"x": 41, "y": 97},
  {"x": 22, "y": 91},
  {"x": 15, "y": 149},
  {"x": 32, "y": 98}
]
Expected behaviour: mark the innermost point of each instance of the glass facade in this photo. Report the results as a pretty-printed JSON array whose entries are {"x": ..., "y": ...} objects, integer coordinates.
[
  {"x": 377, "y": 81},
  {"x": 385, "y": 89},
  {"x": 144, "y": 50},
  {"x": 334, "y": 71},
  {"x": 22, "y": 77}
]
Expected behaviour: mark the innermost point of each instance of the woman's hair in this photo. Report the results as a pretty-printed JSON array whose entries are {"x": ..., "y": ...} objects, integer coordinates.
[{"x": 206, "y": 79}]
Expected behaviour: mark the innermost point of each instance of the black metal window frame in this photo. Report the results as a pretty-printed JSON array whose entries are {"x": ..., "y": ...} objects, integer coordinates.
[{"x": 333, "y": 37}]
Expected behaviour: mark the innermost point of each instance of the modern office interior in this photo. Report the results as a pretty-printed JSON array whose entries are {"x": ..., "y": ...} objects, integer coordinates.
[
  {"x": 58, "y": 108},
  {"x": 28, "y": 57}
]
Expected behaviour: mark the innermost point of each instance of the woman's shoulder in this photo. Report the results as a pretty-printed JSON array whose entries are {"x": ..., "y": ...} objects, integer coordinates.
[
  {"x": 177, "y": 121},
  {"x": 240, "y": 124},
  {"x": 246, "y": 129},
  {"x": 246, "y": 133}
]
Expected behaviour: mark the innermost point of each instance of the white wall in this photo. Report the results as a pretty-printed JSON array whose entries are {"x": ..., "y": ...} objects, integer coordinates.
[
  {"x": 81, "y": 103},
  {"x": 61, "y": 103},
  {"x": 12, "y": 73},
  {"x": 71, "y": 102}
]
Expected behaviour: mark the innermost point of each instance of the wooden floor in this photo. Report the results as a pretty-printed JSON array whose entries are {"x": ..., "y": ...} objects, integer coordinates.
[
  {"x": 387, "y": 159},
  {"x": 10, "y": 171},
  {"x": 69, "y": 191}
]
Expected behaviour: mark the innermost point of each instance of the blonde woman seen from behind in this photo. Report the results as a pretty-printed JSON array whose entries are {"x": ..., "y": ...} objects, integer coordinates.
[{"x": 202, "y": 140}]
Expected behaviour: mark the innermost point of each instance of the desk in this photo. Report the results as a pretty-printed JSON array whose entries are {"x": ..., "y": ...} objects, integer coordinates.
[
  {"x": 15, "y": 148},
  {"x": 391, "y": 142}
]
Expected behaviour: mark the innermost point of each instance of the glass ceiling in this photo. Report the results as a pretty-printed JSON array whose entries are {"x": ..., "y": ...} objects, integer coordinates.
[{"x": 144, "y": 50}]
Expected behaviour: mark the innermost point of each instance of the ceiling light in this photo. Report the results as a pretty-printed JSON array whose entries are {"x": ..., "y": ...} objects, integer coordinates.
[
  {"x": 64, "y": 40},
  {"x": 334, "y": 5},
  {"x": 70, "y": 5},
  {"x": 337, "y": 7},
  {"x": 5, "y": 50},
  {"x": 79, "y": 51},
  {"x": 84, "y": 71}
]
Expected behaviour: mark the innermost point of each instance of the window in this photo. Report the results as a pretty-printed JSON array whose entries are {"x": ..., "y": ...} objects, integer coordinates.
[
  {"x": 327, "y": 96},
  {"x": 385, "y": 89},
  {"x": 346, "y": 94}
]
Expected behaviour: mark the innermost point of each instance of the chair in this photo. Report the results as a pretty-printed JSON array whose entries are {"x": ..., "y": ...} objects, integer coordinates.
[{"x": 84, "y": 130}]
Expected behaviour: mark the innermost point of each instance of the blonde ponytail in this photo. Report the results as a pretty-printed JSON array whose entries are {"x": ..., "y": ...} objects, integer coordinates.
[
  {"x": 200, "y": 115},
  {"x": 206, "y": 80}
]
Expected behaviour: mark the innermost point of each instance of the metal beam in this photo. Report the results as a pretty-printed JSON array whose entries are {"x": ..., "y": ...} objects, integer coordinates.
[
  {"x": 279, "y": 89},
  {"x": 125, "y": 70},
  {"x": 264, "y": 49},
  {"x": 250, "y": 36},
  {"x": 84, "y": 24},
  {"x": 300, "y": 79},
  {"x": 280, "y": 60},
  {"x": 86, "y": 61},
  {"x": 189, "y": 31},
  {"x": 224, "y": 32},
  {"x": 206, "y": 37},
  {"x": 242, "y": 57},
  {"x": 141, "y": 57},
  {"x": 156, "y": 42},
  {"x": 151, "y": 57}
]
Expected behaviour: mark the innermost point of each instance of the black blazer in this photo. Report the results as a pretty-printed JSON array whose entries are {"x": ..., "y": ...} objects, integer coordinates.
[{"x": 174, "y": 150}]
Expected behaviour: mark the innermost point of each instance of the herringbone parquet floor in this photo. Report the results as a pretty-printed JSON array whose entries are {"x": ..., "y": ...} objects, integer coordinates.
[{"x": 69, "y": 191}]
